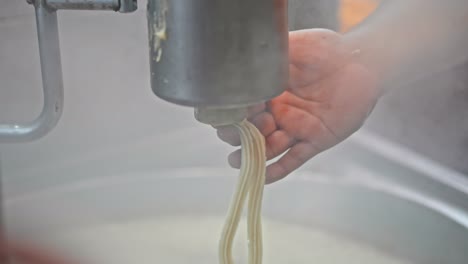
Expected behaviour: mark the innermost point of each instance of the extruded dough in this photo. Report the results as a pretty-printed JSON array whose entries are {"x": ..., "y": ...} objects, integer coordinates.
[{"x": 250, "y": 185}]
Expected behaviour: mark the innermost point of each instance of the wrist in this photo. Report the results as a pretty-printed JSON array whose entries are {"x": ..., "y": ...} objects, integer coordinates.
[{"x": 369, "y": 52}]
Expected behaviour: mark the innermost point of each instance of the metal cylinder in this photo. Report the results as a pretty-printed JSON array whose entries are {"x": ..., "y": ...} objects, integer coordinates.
[{"x": 218, "y": 53}]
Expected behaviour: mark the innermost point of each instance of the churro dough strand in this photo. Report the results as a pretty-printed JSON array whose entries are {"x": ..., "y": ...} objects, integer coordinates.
[
  {"x": 251, "y": 183},
  {"x": 254, "y": 218},
  {"x": 238, "y": 200}
]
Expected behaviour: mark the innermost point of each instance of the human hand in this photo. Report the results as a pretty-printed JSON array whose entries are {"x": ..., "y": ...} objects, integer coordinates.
[{"x": 330, "y": 94}]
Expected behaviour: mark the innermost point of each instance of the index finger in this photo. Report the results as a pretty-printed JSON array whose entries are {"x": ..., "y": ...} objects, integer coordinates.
[{"x": 293, "y": 159}]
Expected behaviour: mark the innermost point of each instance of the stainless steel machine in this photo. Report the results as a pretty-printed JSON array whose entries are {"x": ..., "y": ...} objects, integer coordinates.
[{"x": 216, "y": 56}]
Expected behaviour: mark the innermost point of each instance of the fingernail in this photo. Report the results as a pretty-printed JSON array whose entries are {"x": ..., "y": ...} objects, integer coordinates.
[{"x": 234, "y": 161}]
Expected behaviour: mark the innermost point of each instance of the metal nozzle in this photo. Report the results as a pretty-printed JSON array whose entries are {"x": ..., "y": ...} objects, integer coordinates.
[{"x": 220, "y": 116}]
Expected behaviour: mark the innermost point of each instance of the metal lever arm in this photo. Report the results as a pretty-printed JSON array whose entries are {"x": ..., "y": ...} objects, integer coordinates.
[{"x": 51, "y": 69}]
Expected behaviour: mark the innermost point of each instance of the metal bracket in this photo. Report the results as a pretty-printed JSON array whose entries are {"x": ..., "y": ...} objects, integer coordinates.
[
  {"x": 51, "y": 68},
  {"x": 122, "y": 6}
]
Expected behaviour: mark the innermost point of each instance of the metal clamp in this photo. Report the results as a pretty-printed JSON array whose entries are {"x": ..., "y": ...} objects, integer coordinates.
[{"x": 51, "y": 68}]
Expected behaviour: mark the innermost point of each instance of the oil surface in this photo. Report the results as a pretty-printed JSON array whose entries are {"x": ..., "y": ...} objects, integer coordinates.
[{"x": 195, "y": 240}]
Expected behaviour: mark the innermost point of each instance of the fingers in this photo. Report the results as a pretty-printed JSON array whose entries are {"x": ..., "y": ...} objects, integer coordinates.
[
  {"x": 303, "y": 125},
  {"x": 229, "y": 134},
  {"x": 293, "y": 159},
  {"x": 256, "y": 109},
  {"x": 276, "y": 144},
  {"x": 264, "y": 121},
  {"x": 294, "y": 121}
]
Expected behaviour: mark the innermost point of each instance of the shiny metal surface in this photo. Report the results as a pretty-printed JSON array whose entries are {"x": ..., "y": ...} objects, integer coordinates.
[
  {"x": 218, "y": 53},
  {"x": 127, "y": 6},
  {"x": 123, "y": 6},
  {"x": 52, "y": 83},
  {"x": 84, "y": 4},
  {"x": 220, "y": 116}
]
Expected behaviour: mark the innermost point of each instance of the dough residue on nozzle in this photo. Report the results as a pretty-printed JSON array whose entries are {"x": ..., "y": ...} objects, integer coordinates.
[{"x": 158, "y": 30}]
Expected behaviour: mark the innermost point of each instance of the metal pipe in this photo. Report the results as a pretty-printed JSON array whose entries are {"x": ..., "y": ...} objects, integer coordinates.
[
  {"x": 84, "y": 4},
  {"x": 49, "y": 52},
  {"x": 123, "y": 6},
  {"x": 128, "y": 6}
]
